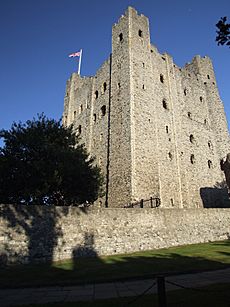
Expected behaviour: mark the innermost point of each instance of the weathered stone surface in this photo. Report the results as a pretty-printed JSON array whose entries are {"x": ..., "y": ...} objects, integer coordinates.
[
  {"x": 164, "y": 130},
  {"x": 74, "y": 232}
]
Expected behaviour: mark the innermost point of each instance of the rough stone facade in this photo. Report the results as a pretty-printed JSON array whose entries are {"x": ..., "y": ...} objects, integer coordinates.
[
  {"x": 156, "y": 129},
  {"x": 35, "y": 233}
]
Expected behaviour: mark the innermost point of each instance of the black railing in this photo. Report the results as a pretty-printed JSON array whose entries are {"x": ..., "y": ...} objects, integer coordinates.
[{"x": 152, "y": 202}]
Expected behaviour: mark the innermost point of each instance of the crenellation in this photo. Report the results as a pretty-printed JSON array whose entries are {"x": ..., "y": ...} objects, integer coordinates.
[{"x": 157, "y": 130}]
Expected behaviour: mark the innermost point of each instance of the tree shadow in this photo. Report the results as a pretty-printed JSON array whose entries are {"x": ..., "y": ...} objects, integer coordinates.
[
  {"x": 216, "y": 197},
  {"x": 41, "y": 229}
]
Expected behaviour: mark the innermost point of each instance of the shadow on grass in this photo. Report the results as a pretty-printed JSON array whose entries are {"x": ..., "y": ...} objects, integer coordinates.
[{"x": 84, "y": 270}]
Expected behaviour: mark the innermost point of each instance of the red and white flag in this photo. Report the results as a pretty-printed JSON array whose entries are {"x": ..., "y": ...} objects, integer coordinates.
[{"x": 73, "y": 55}]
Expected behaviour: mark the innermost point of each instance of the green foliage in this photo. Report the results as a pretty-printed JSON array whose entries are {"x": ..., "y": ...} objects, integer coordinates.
[
  {"x": 43, "y": 163},
  {"x": 223, "y": 32}
]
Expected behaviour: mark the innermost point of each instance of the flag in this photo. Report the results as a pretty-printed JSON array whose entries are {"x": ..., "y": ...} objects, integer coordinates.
[{"x": 72, "y": 55}]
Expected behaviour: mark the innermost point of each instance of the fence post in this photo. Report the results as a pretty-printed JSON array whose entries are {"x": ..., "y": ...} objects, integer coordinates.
[
  {"x": 142, "y": 203},
  {"x": 162, "y": 302}
]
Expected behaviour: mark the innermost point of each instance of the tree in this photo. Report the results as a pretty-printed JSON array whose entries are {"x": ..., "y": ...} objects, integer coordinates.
[
  {"x": 43, "y": 163},
  {"x": 223, "y": 32}
]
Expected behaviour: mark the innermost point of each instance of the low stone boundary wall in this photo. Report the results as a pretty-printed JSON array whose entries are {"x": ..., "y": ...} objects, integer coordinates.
[{"x": 34, "y": 233}]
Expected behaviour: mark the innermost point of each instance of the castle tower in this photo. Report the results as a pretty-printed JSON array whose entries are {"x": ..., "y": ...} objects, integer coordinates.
[{"x": 156, "y": 130}]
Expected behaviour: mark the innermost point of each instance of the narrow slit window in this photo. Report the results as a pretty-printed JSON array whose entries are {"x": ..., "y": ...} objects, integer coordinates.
[
  {"x": 189, "y": 114},
  {"x": 185, "y": 91},
  {"x": 208, "y": 76},
  {"x": 167, "y": 129},
  {"x": 192, "y": 159},
  {"x": 79, "y": 129},
  {"x": 165, "y": 105},
  {"x": 162, "y": 78},
  {"x": 209, "y": 164},
  {"x": 74, "y": 114},
  {"x": 94, "y": 117},
  {"x": 104, "y": 86},
  {"x": 96, "y": 94},
  {"x": 201, "y": 98},
  {"x": 170, "y": 156},
  {"x": 191, "y": 138},
  {"x": 103, "y": 110},
  {"x": 120, "y": 37},
  {"x": 140, "y": 33}
]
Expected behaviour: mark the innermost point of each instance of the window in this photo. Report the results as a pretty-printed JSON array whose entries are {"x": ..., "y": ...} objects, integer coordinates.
[
  {"x": 103, "y": 110},
  {"x": 143, "y": 65},
  {"x": 170, "y": 156},
  {"x": 171, "y": 201},
  {"x": 140, "y": 33},
  {"x": 94, "y": 118},
  {"x": 164, "y": 59},
  {"x": 101, "y": 136},
  {"x": 120, "y": 37},
  {"x": 210, "y": 144},
  {"x": 189, "y": 114},
  {"x": 119, "y": 85},
  {"x": 96, "y": 94},
  {"x": 209, "y": 164},
  {"x": 80, "y": 109},
  {"x": 185, "y": 91},
  {"x": 164, "y": 103},
  {"x": 104, "y": 86},
  {"x": 201, "y": 98},
  {"x": 208, "y": 76},
  {"x": 143, "y": 87},
  {"x": 192, "y": 159},
  {"x": 79, "y": 129},
  {"x": 74, "y": 114},
  {"x": 191, "y": 138},
  {"x": 162, "y": 78},
  {"x": 167, "y": 129}
]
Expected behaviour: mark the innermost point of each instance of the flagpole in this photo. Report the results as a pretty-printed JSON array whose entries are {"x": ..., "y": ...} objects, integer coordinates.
[{"x": 79, "y": 63}]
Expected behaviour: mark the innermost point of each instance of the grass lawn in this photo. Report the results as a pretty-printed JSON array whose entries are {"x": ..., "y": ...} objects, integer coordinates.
[
  {"x": 183, "y": 259},
  {"x": 217, "y": 295}
]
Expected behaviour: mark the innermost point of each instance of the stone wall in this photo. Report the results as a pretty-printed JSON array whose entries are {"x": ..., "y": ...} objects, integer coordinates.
[{"x": 44, "y": 234}]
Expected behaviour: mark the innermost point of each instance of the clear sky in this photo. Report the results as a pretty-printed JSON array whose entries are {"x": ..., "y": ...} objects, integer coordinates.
[{"x": 37, "y": 36}]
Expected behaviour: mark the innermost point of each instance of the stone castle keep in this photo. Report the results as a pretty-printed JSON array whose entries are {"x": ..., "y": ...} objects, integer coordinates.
[{"x": 157, "y": 130}]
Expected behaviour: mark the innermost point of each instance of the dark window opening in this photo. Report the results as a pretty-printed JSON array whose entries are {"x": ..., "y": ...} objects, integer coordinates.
[
  {"x": 74, "y": 114},
  {"x": 143, "y": 65},
  {"x": 171, "y": 201},
  {"x": 185, "y": 91},
  {"x": 143, "y": 87},
  {"x": 205, "y": 83},
  {"x": 140, "y": 33},
  {"x": 121, "y": 37},
  {"x": 189, "y": 114},
  {"x": 170, "y": 156},
  {"x": 208, "y": 76},
  {"x": 103, "y": 110},
  {"x": 104, "y": 86},
  {"x": 163, "y": 58},
  {"x": 96, "y": 94},
  {"x": 167, "y": 129},
  {"x": 119, "y": 85},
  {"x": 94, "y": 117},
  {"x": 209, "y": 164},
  {"x": 205, "y": 121},
  {"x": 79, "y": 129},
  {"x": 209, "y": 144},
  {"x": 151, "y": 51},
  {"x": 192, "y": 159},
  {"x": 191, "y": 138},
  {"x": 201, "y": 98},
  {"x": 162, "y": 78},
  {"x": 164, "y": 103}
]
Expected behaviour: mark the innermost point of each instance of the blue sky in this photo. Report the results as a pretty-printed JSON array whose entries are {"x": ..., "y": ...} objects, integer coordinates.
[{"x": 37, "y": 36}]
